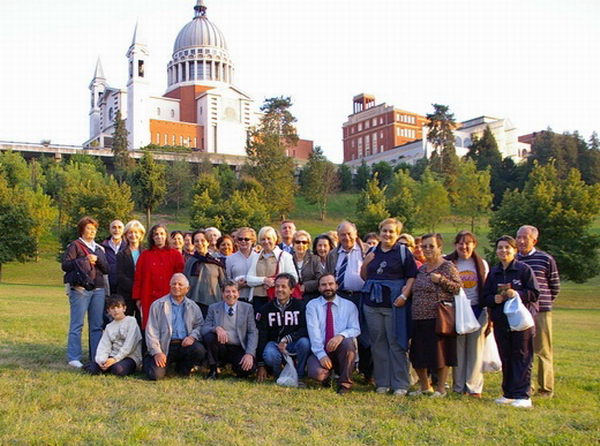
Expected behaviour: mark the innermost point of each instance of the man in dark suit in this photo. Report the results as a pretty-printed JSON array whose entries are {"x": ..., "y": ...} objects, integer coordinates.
[{"x": 229, "y": 333}]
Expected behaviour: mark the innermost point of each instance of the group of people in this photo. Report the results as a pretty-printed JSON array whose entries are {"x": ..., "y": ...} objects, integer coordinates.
[{"x": 259, "y": 302}]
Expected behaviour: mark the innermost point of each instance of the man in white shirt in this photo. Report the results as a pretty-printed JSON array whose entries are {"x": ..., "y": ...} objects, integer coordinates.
[{"x": 332, "y": 323}]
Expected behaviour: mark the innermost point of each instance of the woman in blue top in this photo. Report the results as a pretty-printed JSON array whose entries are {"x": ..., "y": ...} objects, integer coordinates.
[
  {"x": 508, "y": 279},
  {"x": 389, "y": 271}
]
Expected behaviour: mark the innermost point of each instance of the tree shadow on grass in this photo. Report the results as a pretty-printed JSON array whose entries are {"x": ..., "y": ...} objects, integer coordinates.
[{"x": 32, "y": 356}]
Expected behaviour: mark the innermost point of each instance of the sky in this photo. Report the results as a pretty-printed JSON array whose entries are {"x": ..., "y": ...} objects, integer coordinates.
[{"x": 535, "y": 62}]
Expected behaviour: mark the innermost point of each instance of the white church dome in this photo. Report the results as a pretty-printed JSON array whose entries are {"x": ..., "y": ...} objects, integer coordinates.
[{"x": 200, "y": 32}]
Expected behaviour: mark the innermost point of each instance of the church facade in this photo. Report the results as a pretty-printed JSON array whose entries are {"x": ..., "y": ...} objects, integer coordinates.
[{"x": 201, "y": 109}]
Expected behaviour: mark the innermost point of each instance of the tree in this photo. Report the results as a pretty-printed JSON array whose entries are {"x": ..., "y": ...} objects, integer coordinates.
[
  {"x": 267, "y": 159},
  {"x": 179, "y": 183},
  {"x": 589, "y": 160},
  {"x": 474, "y": 199},
  {"x": 363, "y": 174},
  {"x": 150, "y": 184},
  {"x": 440, "y": 134},
  {"x": 120, "y": 148},
  {"x": 345, "y": 174},
  {"x": 563, "y": 210},
  {"x": 433, "y": 203},
  {"x": 370, "y": 208},
  {"x": 213, "y": 206},
  {"x": 484, "y": 151},
  {"x": 320, "y": 180},
  {"x": 384, "y": 172},
  {"x": 16, "y": 226},
  {"x": 13, "y": 168},
  {"x": 401, "y": 201}
]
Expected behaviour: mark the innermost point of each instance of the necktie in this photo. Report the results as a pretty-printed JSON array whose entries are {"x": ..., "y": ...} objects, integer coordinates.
[
  {"x": 342, "y": 272},
  {"x": 230, "y": 311},
  {"x": 329, "y": 333}
]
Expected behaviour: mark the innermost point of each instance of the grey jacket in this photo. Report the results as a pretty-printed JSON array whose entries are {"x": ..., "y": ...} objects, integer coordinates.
[
  {"x": 160, "y": 326},
  {"x": 333, "y": 255},
  {"x": 246, "y": 327}
]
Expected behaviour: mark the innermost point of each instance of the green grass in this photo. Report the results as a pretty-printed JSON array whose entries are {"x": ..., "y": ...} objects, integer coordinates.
[{"x": 46, "y": 403}]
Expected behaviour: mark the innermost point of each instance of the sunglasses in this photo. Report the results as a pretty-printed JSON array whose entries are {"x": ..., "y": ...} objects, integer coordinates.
[
  {"x": 301, "y": 242},
  {"x": 244, "y": 239}
]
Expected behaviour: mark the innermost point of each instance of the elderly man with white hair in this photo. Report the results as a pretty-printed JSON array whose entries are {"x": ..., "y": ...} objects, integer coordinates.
[{"x": 173, "y": 332}]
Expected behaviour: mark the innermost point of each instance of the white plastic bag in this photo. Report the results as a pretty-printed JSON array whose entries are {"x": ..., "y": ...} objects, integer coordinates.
[
  {"x": 491, "y": 357},
  {"x": 465, "y": 320},
  {"x": 519, "y": 317},
  {"x": 289, "y": 375}
]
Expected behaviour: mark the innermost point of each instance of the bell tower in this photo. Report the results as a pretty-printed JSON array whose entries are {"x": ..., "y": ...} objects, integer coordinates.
[{"x": 138, "y": 104}]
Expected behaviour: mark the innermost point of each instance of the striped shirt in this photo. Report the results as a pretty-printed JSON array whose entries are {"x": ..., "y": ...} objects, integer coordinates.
[{"x": 546, "y": 273}]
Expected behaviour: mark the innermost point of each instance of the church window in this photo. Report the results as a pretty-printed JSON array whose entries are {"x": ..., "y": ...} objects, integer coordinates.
[
  {"x": 158, "y": 111},
  {"x": 192, "y": 70},
  {"x": 158, "y": 138},
  {"x": 207, "y": 74},
  {"x": 183, "y": 77},
  {"x": 176, "y": 74},
  {"x": 140, "y": 68},
  {"x": 166, "y": 139},
  {"x": 172, "y": 113},
  {"x": 201, "y": 70},
  {"x": 131, "y": 69}
]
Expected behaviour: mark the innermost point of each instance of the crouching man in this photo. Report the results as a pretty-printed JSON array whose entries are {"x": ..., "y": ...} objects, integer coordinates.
[
  {"x": 229, "y": 333},
  {"x": 282, "y": 330},
  {"x": 332, "y": 323},
  {"x": 173, "y": 332}
]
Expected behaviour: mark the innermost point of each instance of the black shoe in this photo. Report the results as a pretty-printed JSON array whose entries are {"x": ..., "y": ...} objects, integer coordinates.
[
  {"x": 343, "y": 390},
  {"x": 213, "y": 374}
]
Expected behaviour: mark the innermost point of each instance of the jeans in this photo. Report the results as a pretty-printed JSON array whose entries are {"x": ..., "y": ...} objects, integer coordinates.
[
  {"x": 81, "y": 301},
  {"x": 273, "y": 357}
]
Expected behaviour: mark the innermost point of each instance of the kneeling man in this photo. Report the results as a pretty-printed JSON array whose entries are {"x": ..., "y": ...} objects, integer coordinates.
[
  {"x": 332, "y": 327},
  {"x": 229, "y": 333},
  {"x": 173, "y": 332},
  {"x": 282, "y": 330}
]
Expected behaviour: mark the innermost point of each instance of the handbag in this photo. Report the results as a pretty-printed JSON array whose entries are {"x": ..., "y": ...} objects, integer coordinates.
[
  {"x": 491, "y": 357},
  {"x": 81, "y": 278},
  {"x": 445, "y": 322},
  {"x": 466, "y": 322},
  {"x": 296, "y": 291},
  {"x": 519, "y": 317},
  {"x": 289, "y": 374}
]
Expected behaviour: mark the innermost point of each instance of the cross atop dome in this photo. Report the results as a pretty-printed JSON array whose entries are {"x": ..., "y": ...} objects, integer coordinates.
[{"x": 200, "y": 9}]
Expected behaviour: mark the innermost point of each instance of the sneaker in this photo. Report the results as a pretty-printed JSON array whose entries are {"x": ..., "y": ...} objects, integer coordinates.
[
  {"x": 77, "y": 364},
  {"x": 524, "y": 403},
  {"x": 421, "y": 392},
  {"x": 382, "y": 390},
  {"x": 400, "y": 392},
  {"x": 504, "y": 400},
  {"x": 302, "y": 385},
  {"x": 437, "y": 394}
]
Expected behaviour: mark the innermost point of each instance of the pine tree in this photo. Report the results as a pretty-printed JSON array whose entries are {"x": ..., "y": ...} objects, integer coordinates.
[
  {"x": 267, "y": 158},
  {"x": 122, "y": 161},
  {"x": 440, "y": 134}
]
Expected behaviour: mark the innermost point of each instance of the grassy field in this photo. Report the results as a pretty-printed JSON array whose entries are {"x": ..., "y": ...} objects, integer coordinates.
[{"x": 44, "y": 402}]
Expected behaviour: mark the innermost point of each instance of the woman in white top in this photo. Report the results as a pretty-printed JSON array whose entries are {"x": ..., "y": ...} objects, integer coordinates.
[
  {"x": 266, "y": 265},
  {"x": 238, "y": 263},
  {"x": 473, "y": 270}
]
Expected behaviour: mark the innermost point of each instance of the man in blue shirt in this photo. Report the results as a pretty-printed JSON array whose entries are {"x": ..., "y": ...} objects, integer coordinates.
[{"x": 332, "y": 323}]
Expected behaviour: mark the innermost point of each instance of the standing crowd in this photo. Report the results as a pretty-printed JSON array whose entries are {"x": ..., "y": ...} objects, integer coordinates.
[{"x": 279, "y": 301}]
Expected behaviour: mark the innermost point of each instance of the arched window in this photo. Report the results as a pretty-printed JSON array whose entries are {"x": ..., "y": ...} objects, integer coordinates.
[
  {"x": 458, "y": 142},
  {"x": 467, "y": 142}
]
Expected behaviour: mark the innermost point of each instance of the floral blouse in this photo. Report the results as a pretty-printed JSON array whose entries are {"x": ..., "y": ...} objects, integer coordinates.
[{"x": 427, "y": 294}]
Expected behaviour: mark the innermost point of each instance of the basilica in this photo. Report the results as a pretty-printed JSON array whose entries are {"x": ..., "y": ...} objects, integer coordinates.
[{"x": 202, "y": 107}]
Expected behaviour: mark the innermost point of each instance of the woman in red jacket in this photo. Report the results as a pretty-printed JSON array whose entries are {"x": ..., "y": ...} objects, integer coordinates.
[{"x": 154, "y": 270}]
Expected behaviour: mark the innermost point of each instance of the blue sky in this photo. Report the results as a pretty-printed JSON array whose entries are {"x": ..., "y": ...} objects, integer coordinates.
[{"x": 534, "y": 62}]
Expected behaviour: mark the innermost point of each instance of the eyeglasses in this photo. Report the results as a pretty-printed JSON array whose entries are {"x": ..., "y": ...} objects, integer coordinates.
[
  {"x": 428, "y": 246},
  {"x": 244, "y": 239},
  {"x": 301, "y": 242}
]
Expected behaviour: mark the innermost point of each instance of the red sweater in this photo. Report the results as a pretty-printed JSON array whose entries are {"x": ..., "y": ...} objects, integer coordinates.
[{"x": 153, "y": 272}]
